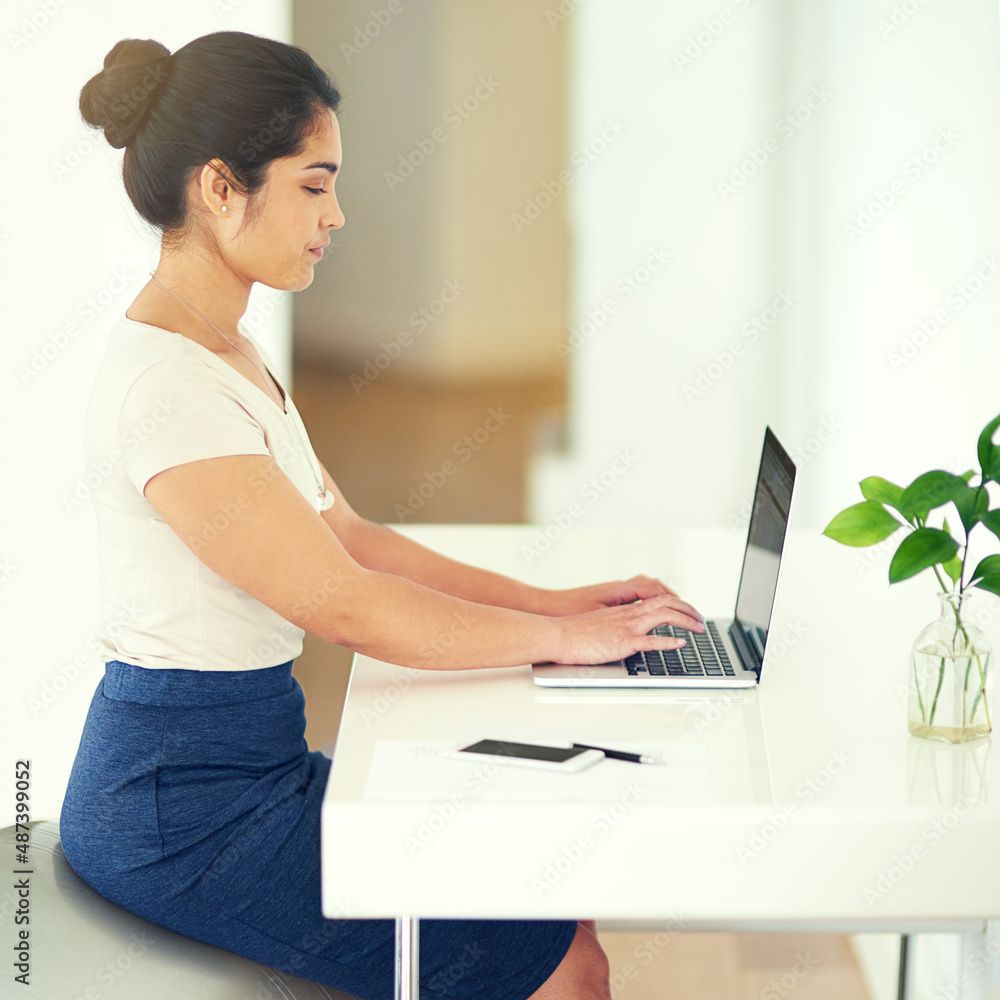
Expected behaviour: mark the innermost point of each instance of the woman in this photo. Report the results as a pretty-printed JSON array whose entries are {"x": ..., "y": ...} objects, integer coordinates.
[{"x": 193, "y": 799}]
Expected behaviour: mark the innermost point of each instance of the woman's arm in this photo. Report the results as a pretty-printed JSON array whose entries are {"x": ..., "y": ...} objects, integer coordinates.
[
  {"x": 245, "y": 520},
  {"x": 378, "y": 547}
]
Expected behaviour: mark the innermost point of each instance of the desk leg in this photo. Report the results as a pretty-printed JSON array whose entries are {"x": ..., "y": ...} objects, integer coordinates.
[
  {"x": 407, "y": 958},
  {"x": 906, "y": 948}
]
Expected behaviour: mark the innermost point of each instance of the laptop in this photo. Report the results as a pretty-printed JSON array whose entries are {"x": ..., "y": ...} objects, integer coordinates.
[{"x": 730, "y": 652}]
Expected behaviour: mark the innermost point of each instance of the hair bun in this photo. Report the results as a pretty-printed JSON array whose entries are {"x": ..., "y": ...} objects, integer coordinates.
[{"x": 118, "y": 98}]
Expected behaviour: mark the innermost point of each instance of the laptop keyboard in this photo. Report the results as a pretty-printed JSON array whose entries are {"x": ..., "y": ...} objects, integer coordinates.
[{"x": 703, "y": 655}]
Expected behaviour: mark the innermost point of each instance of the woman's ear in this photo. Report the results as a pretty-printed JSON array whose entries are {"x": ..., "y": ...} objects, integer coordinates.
[{"x": 215, "y": 189}]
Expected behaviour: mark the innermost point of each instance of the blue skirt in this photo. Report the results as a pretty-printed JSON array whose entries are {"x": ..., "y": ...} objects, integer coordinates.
[{"x": 194, "y": 802}]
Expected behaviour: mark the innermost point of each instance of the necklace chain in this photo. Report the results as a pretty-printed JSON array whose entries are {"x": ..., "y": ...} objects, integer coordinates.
[
  {"x": 217, "y": 330},
  {"x": 325, "y": 498}
]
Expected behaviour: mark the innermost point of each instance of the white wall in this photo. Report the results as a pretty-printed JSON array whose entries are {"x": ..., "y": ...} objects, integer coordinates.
[
  {"x": 73, "y": 255},
  {"x": 655, "y": 378}
]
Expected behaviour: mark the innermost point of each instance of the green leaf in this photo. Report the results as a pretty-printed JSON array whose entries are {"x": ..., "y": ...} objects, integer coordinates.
[
  {"x": 953, "y": 567},
  {"x": 991, "y": 519},
  {"x": 863, "y": 524},
  {"x": 967, "y": 476},
  {"x": 881, "y": 490},
  {"x": 925, "y": 547},
  {"x": 987, "y": 575},
  {"x": 990, "y": 566},
  {"x": 990, "y": 583},
  {"x": 971, "y": 504},
  {"x": 932, "y": 489},
  {"x": 987, "y": 450}
]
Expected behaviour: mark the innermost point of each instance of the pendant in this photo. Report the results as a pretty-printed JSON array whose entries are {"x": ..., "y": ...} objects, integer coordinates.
[{"x": 326, "y": 499}]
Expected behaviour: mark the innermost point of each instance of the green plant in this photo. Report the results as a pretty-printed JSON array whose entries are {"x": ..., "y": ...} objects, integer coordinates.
[
  {"x": 926, "y": 547},
  {"x": 870, "y": 522}
]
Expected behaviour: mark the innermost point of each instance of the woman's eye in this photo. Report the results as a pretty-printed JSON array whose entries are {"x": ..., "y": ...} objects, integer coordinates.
[{"x": 316, "y": 190}]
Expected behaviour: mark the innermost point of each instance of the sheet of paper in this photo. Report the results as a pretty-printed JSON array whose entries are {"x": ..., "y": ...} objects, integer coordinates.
[{"x": 415, "y": 770}]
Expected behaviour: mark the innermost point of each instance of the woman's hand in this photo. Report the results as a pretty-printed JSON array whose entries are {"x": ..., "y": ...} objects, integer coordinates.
[
  {"x": 601, "y": 595},
  {"x": 613, "y": 633}
]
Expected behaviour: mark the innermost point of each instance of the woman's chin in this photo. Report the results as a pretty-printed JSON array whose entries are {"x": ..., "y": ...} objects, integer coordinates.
[{"x": 288, "y": 283}]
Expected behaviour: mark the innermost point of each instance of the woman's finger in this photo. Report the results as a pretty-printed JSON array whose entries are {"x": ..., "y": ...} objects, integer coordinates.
[
  {"x": 656, "y": 604},
  {"x": 645, "y": 587},
  {"x": 669, "y": 611}
]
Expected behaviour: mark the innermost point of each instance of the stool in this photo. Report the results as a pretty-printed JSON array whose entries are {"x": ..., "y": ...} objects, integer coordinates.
[{"x": 82, "y": 946}]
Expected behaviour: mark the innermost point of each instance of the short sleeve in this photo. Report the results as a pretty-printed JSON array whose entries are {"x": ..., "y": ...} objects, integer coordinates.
[{"x": 181, "y": 410}]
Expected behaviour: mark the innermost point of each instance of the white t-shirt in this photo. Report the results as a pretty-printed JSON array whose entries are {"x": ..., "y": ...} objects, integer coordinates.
[{"x": 159, "y": 400}]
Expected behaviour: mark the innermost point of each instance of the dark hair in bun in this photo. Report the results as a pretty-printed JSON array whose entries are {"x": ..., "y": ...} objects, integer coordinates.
[
  {"x": 118, "y": 98},
  {"x": 241, "y": 98}
]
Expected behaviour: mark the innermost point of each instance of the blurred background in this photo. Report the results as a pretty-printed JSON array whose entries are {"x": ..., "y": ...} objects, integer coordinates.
[{"x": 592, "y": 248}]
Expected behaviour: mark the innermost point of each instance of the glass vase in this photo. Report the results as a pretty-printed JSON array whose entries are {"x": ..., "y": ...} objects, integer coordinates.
[{"x": 951, "y": 683}]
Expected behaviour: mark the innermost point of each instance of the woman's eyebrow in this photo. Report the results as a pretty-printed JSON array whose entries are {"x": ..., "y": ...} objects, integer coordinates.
[{"x": 323, "y": 165}]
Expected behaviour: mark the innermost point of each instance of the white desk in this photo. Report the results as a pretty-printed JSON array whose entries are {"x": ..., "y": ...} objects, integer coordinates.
[{"x": 819, "y": 813}]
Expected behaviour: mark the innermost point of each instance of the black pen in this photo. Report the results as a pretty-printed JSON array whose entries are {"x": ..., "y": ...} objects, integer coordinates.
[{"x": 633, "y": 758}]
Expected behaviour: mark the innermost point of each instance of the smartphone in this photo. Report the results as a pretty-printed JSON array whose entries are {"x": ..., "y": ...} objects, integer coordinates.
[{"x": 528, "y": 755}]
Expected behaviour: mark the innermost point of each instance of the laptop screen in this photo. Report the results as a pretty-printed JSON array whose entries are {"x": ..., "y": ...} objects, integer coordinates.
[{"x": 766, "y": 537}]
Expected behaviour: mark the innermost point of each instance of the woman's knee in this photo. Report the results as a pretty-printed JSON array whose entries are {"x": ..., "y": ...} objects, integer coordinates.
[{"x": 581, "y": 975}]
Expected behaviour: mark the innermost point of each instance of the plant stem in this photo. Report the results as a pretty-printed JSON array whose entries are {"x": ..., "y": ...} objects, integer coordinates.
[
  {"x": 975, "y": 503},
  {"x": 920, "y": 697},
  {"x": 982, "y": 677},
  {"x": 937, "y": 692},
  {"x": 965, "y": 691}
]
